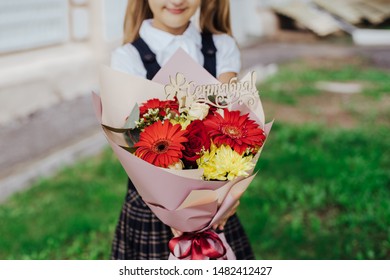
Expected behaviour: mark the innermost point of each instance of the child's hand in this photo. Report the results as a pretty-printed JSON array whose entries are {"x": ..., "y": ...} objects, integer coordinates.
[
  {"x": 176, "y": 233},
  {"x": 221, "y": 224}
]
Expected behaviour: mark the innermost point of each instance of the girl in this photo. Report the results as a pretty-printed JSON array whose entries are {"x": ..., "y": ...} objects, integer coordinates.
[{"x": 153, "y": 31}]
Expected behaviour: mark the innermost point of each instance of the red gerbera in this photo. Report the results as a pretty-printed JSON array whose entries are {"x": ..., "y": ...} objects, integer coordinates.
[
  {"x": 161, "y": 144},
  {"x": 238, "y": 132},
  {"x": 158, "y": 104}
]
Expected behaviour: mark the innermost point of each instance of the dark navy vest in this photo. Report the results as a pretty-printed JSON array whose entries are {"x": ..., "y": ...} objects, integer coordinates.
[{"x": 151, "y": 65}]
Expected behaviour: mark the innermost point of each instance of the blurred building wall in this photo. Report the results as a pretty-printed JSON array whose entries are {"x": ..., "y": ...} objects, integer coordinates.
[
  {"x": 50, "y": 49},
  {"x": 252, "y": 19}
]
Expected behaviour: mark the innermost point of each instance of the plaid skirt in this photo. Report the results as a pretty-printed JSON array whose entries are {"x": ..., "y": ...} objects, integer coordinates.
[{"x": 140, "y": 235}]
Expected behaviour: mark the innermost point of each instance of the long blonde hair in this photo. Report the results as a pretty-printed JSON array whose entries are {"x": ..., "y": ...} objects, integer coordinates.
[{"x": 214, "y": 17}]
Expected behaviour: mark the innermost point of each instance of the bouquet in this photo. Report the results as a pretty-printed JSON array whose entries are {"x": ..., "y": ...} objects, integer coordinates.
[{"x": 199, "y": 138}]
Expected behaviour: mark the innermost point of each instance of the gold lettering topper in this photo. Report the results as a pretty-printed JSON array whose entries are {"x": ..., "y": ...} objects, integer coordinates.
[{"x": 220, "y": 95}]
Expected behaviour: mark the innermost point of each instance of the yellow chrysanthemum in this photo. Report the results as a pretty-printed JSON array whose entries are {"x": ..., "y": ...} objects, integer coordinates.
[
  {"x": 206, "y": 161},
  {"x": 224, "y": 163}
]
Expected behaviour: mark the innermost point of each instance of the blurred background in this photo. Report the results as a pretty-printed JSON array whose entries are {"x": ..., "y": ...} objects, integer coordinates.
[{"x": 323, "y": 187}]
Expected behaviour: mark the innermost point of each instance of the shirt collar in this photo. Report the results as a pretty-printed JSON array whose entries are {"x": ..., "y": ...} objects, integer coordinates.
[{"x": 158, "y": 39}]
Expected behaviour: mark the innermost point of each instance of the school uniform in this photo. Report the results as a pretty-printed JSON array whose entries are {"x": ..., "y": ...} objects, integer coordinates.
[{"x": 139, "y": 233}]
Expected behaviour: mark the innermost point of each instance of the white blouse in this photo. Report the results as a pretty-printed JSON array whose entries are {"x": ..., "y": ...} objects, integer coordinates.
[{"x": 127, "y": 59}]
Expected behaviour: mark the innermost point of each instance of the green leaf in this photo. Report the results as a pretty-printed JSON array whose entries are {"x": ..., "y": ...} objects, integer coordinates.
[
  {"x": 132, "y": 137},
  {"x": 132, "y": 118}
]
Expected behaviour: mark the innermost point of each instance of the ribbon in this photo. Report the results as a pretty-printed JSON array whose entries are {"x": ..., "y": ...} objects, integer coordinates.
[{"x": 203, "y": 244}]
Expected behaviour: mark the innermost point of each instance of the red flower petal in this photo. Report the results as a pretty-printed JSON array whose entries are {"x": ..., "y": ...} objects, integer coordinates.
[
  {"x": 238, "y": 132},
  {"x": 161, "y": 143}
]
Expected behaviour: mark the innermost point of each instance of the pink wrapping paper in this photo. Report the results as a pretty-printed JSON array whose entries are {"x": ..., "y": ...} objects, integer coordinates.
[{"x": 179, "y": 198}]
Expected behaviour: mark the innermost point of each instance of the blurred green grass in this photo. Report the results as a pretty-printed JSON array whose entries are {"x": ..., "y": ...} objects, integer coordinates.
[
  {"x": 69, "y": 216},
  {"x": 298, "y": 79},
  {"x": 321, "y": 192}
]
